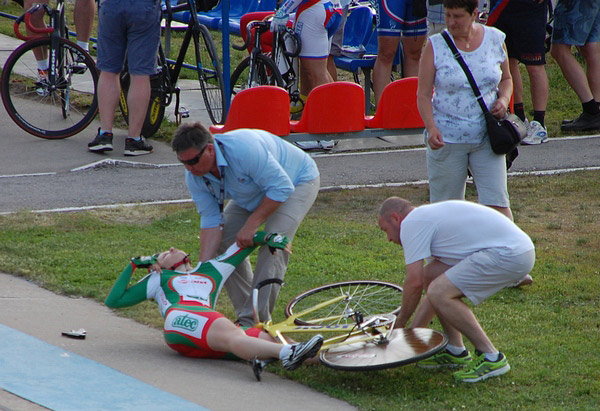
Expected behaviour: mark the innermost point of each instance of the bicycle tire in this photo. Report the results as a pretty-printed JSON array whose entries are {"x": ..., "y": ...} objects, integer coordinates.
[
  {"x": 210, "y": 75},
  {"x": 367, "y": 297},
  {"x": 156, "y": 105},
  {"x": 405, "y": 346},
  {"x": 40, "y": 113},
  {"x": 265, "y": 73}
]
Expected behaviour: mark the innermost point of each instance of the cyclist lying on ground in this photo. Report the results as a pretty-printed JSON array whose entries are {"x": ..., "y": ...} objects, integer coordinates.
[{"x": 187, "y": 296}]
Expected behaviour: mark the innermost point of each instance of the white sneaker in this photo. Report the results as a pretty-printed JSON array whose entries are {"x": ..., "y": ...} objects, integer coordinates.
[
  {"x": 536, "y": 134},
  {"x": 42, "y": 83},
  {"x": 315, "y": 145}
]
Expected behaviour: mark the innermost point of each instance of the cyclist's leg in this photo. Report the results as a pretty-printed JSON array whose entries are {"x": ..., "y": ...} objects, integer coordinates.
[
  {"x": 382, "y": 70},
  {"x": 84, "y": 20},
  {"x": 223, "y": 335},
  {"x": 41, "y": 54},
  {"x": 313, "y": 73}
]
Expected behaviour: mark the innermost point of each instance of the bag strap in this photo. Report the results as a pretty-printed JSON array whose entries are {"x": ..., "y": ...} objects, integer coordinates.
[{"x": 463, "y": 65}]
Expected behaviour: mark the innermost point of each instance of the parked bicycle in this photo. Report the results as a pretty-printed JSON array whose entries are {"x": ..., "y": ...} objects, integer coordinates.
[
  {"x": 273, "y": 63},
  {"x": 164, "y": 84},
  {"x": 63, "y": 101},
  {"x": 357, "y": 318}
]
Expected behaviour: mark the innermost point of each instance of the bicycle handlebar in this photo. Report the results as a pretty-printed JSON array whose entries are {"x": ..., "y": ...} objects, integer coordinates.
[
  {"x": 255, "y": 295},
  {"x": 27, "y": 18}
]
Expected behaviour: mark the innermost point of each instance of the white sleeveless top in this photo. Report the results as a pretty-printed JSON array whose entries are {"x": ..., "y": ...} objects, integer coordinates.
[{"x": 456, "y": 112}]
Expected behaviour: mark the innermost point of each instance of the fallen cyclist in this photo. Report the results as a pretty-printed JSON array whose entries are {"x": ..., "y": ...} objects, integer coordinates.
[{"x": 186, "y": 297}]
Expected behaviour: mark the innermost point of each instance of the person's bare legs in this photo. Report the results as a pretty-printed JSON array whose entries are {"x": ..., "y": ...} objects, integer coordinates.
[
  {"x": 387, "y": 47},
  {"x": 513, "y": 64},
  {"x": 572, "y": 71},
  {"x": 591, "y": 53},
  {"x": 223, "y": 335},
  {"x": 37, "y": 20},
  {"x": 425, "y": 312},
  {"x": 411, "y": 48},
  {"x": 313, "y": 73},
  {"x": 538, "y": 80},
  {"x": 84, "y": 19},
  {"x": 109, "y": 91},
  {"x": 331, "y": 68},
  {"x": 138, "y": 97},
  {"x": 455, "y": 315}
]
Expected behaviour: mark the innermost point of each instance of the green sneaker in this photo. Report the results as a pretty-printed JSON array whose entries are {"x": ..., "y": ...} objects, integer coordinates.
[
  {"x": 481, "y": 369},
  {"x": 446, "y": 359}
]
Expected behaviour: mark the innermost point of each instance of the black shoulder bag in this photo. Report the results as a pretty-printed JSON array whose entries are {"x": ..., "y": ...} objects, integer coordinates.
[{"x": 505, "y": 134}]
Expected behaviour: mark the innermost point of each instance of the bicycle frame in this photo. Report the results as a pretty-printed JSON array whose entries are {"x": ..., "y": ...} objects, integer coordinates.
[{"x": 376, "y": 329}]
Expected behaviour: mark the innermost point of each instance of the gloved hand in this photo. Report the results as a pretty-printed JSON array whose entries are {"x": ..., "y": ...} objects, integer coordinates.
[
  {"x": 144, "y": 261},
  {"x": 277, "y": 241},
  {"x": 279, "y": 21}
]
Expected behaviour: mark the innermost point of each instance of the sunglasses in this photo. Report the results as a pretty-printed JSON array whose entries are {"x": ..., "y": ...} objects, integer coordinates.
[{"x": 193, "y": 161}]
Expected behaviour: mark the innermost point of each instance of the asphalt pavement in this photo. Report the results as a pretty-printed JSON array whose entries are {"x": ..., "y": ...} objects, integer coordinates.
[{"x": 59, "y": 175}]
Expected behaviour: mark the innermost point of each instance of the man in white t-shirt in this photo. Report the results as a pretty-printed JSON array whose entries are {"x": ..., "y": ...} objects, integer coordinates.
[{"x": 471, "y": 251}]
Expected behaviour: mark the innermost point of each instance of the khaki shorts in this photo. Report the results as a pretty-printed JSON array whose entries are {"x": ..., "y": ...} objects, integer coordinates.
[{"x": 488, "y": 271}]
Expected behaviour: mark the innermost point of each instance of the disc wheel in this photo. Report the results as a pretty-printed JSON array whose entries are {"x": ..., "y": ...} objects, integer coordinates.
[
  {"x": 365, "y": 297},
  {"x": 59, "y": 107},
  {"x": 264, "y": 73},
  {"x": 405, "y": 346}
]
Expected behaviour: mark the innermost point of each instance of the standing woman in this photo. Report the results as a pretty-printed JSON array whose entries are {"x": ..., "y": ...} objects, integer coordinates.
[{"x": 455, "y": 128}]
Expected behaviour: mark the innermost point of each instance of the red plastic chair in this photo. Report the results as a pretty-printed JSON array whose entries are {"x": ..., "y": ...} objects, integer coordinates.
[
  {"x": 263, "y": 107},
  {"x": 397, "y": 107},
  {"x": 336, "y": 107}
]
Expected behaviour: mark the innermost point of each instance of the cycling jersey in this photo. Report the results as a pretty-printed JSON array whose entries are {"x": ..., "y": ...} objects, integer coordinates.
[
  {"x": 185, "y": 299},
  {"x": 316, "y": 21}
]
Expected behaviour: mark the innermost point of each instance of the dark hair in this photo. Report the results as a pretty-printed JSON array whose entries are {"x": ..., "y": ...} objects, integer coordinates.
[
  {"x": 468, "y": 5},
  {"x": 191, "y": 135}
]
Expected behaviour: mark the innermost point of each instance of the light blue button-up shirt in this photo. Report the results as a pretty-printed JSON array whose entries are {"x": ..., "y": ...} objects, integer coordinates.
[{"x": 253, "y": 163}]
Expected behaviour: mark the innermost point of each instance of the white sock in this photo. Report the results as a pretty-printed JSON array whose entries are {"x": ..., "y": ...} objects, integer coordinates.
[
  {"x": 285, "y": 352},
  {"x": 492, "y": 356},
  {"x": 84, "y": 45},
  {"x": 42, "y": 64},
  {"x": 138, "y": 138},
  {"x": 454, "y": 350}
]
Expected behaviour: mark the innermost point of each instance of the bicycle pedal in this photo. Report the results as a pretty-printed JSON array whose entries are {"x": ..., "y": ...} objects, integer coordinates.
[{"x": 78, "y": 68}]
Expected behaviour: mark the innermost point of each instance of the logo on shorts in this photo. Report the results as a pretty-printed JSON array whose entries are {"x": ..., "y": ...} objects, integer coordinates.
[{"x": 185, "y": 322}]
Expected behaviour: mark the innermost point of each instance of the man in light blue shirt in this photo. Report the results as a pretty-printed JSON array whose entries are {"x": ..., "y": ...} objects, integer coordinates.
[{"x": 267, "y": 180}]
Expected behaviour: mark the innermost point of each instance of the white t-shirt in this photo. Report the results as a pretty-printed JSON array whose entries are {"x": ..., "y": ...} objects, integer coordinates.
[
  {"x": 455, "y": 110},
  {"x": 456, "y": 229}
]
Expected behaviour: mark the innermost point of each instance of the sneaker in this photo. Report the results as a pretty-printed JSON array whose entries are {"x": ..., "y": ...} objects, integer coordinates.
[
  {"x": 79, "y": 66},
  {"x": 481, "y": 369},
  {"x": 302, "y": 351},
  {"x": 315, "y": 145},
  {"x": 584, "y": 122},
  {"x": 527, "y": 280},
  {"x": 101, "y": 143},
  {"x": 445, "y": 359},
  {"x": 536, "y": 134},
  {"x": 42, "y": 83},
  {"x": 137, "y": 148}
]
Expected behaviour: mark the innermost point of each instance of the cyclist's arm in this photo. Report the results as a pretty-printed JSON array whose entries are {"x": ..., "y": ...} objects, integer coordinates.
[{"x": 121, "y": 296}]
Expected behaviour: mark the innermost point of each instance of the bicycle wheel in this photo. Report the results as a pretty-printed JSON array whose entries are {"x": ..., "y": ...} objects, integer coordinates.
[
  {"x": 405, "y": 346},
  {"x": 265, "y": 72},
  {"x": 366, "y": 297},
  {"x": 210, "y": 75},
  {"x": 156, "y": 105},
  {"x": 50, "y": 109}
]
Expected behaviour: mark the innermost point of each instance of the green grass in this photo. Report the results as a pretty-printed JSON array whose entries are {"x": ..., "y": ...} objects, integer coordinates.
[{"x": 549, "y": 331}]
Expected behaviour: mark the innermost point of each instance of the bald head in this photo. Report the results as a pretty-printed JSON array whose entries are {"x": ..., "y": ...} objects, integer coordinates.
[{"x": 395, "y": 205}]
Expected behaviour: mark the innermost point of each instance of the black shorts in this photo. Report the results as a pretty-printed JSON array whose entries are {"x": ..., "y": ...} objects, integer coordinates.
[{"x": 524, "y": 23}]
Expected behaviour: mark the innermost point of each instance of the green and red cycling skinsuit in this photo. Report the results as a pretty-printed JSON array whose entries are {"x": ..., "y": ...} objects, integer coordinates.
[{"x": 187, "y": 300}]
